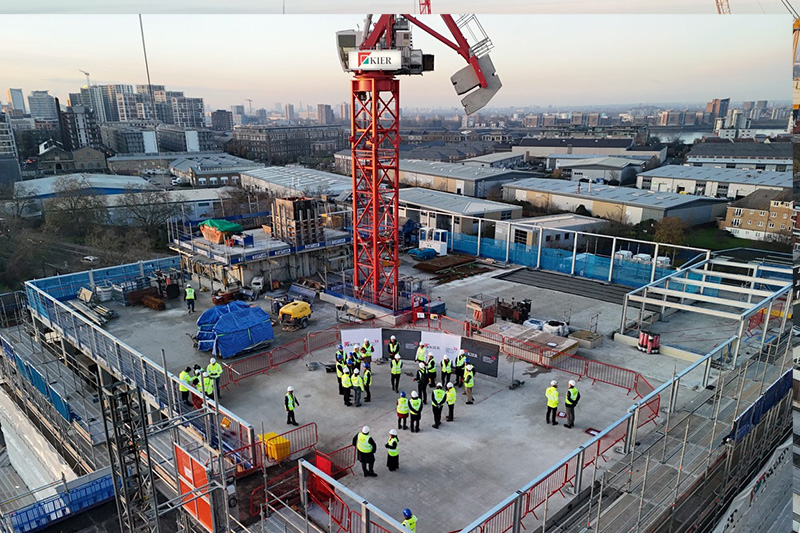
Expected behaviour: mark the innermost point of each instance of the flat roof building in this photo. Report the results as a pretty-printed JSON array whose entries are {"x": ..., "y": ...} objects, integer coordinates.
[
  {"x": 749, "y": 155},
  {"x": 296, "y": 181},
  {"x": 602, "y": 169},
  {"x": 616, "y": 203},
  {"x": 712, "y": 181},
  {"x": 540, "y": 148},
  {"x": 559, "y": 229},
  {"x": 421, "y": 205},
  {"x": 496, "y": 160},
  {"x": 467, "y": 180},
  {"x": 178, "y": 139},
  {"x": 211, "y": 169},
  {"x": 555, "y": 161}
]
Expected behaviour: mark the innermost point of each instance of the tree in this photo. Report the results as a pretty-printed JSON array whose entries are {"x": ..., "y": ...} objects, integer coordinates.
[
  {"x": 613, "y": 177},
  {"x": 671, "y": 230},
  {"x": 149, "y": 209},
  {"x": 75, "y": 210},
  {"x": 20, "y": 199},
  {"x": 116, "y": 245},
  {"x": 558, "y": 173},
  {"x": 581, "y": 210}
]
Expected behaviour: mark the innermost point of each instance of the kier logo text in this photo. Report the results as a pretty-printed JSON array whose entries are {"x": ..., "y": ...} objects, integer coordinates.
[{"x": 365, "y": 59}]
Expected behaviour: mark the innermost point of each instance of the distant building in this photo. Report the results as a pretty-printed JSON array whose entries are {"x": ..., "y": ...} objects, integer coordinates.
[
  {"x": 134, "y": 106},
  {"x": 496, "y": 160},
  {"x": 296, "y": 181},
  {"x": 718, "y": 107},
  {"x": 749, "y": 155},
  {"x": 540, "y": 148},
  {"x": 421, "y": 205},
  {"x": 79, "y": 128},
  {"x": 288, "y": 112},
  {"x": 602, "y": 169},
  {"x": 344, "y": 113},
  {"x": 287, "y": 143},
  {"x": 17, "y": 100},
  {"x": 222, "y": 120},
  {"x": 237, "y": 109},
  {"x": 616, "y": 203},
  {"x": 467, "y": 180},
  {"x": 9, "y": 158},
  {"x": 555, "y": 161},
  {"x": 89, "y": 159},
  {"x": 178, "y": 139},
  {"x": 136, "y": 163},
  {"x": 526, "y": 230},
  {"x": 123, "y": 139},
  {"x": 56, "y": 160},
  {"x": 711, "y": 181},
  {"x": 42, "y": 105},
  {"x": 187, "y": 112},
  {"x": 325, "y": 114},
  {"x": 211, "y": 170},
  {"x": 763, "y": 215}
]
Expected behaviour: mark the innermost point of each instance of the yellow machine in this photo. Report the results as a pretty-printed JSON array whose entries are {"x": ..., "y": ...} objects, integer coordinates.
[{"x": 295, "y": 315}]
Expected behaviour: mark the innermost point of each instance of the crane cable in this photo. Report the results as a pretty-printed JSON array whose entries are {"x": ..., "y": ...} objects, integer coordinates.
[{"x": 790, "y": 8}]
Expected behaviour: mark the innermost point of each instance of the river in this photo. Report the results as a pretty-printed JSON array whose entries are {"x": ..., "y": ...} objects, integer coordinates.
[{"x": 690, "y": 136}]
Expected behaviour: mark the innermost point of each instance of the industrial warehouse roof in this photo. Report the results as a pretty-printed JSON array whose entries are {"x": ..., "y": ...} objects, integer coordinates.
[
  {"x": 578, "y": 143},
  {"x": 723, "y": 175},
  {"x": 608, "y": 193},
  {"x": 612, "y": 163},
  {"x": 163, "y": 155},
  {"x": 632, "y": 157},
  {"x": 302, "y": 179},
  {"x": 211, "y": 162},
  {"x": 459, "y": 171},
  {"x": 99, "y": 183},
  {"x": 778, "y": 150},
  {"x": 562, "y": 221},
  {"x": 452, "y": 203},
  {"x": 493, "y": 158}
]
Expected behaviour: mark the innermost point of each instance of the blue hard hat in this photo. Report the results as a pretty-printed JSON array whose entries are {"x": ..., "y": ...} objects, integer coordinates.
[
  {"x": 402, "y": 394},
  {"x": 341, "y": 347},
  {"x": 407, "y": 512},
  {"x": 366, "y": 365},
  {"x": 338, "y": 357}
]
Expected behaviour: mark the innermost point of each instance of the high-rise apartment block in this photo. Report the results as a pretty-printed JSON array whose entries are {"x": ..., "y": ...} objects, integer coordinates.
[
  {"x": 42, "y": 105},
  {"x": 222, "y": 120},
  {"x": 9, "y": 159},
  {"x": 288, "y": 112},
  {"x": 16, "y": 99},
  {"x": 325, "y": 114},
  {"x": 79, "y": 128},
  {"x": 718, "y": 107}
]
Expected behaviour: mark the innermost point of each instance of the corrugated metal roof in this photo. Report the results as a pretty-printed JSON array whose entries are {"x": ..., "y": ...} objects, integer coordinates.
[
  {"x": 780, "y": 150},
  {"x": 46, "y": 186},
  {"x": 578, "y": 143},
  {"x": 302, "y": 179},
  {"x": 459, "y": 171},
  {"x": 452, "y": 203},
  {"x": 723, "y": 175}
]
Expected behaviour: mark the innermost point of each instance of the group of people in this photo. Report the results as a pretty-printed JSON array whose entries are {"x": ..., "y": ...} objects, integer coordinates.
[
  {"x": 204, "y": 380},
  {"x": 354, "y": 374},
  {"x": 570, "y": 402}
]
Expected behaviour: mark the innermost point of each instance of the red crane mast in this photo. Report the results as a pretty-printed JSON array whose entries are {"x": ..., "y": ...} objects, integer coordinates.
[{"x": 376, "y": 56}]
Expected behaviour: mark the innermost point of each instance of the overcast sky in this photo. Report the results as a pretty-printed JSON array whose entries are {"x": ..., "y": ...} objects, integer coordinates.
[
  {"x": 558, "y": 60},
  {"x": 353, "y": 6}
]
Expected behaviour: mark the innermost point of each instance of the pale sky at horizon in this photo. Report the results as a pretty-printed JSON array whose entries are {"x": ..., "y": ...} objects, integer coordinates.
[{"x": 558, "y": 60}]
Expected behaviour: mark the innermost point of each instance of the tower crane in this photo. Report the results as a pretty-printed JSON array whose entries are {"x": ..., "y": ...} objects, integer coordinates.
[
  {"x": 376, "y": 55},
  {"x": 723, "y": 7},
  {"x": 424, "y": 7},
  {"x": 87, "y": 77}
]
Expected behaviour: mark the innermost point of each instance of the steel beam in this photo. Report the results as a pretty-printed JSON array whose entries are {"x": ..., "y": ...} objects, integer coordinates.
[
  {"x": 741, "y": 277},
  {"x": 701, "y": 297},
  {"x": 684, "y": 307}
]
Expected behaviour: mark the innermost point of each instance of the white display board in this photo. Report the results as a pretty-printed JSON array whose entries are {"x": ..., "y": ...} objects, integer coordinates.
[
  {"x": 441, "y": 344},
  {"x": 351, "y": 338}
]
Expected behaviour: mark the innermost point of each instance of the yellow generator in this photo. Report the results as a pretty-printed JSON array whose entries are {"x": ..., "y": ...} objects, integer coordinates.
[{"x": 295, "y": 315}]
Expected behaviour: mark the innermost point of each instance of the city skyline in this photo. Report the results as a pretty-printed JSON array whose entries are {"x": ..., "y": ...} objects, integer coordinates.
[
  {"x": 599, "y": 60},
  {"x": 351, "y": 6}
]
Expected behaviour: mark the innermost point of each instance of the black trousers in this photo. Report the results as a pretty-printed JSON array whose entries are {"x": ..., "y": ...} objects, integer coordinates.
[
  {"x": 459, "y": 377},
  {"x": 422, "y": 389},
  {"x": 445, "y": 378},
  {"x": 368, "y": 463},
  {"x": 185, "y": 397},
  {"x": 432, "y": 379},
  {"x": 396, "y": 382},
  {"x": 347, "y": 396},
  {"x": 450, "y": 409},
  {"x": 392, "y": 462},
  {"x": 290, "y": 417},
  {"x": 552, "y": 411},
  {"x": 341, "y": 388},
  {"x": 366, "y": 391},
  {"x": 437, "y": 416},
  {"x": 402, "y": 422},
  {"x": 415, "y": 423},
  {"x": 570, "y": 409}
]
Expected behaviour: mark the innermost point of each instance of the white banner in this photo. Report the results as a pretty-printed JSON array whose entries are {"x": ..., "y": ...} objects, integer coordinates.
[
  {"x": 355, "y": 337},
  {"x": 779, "y": 464},
  {"x": 440, "y": 344}
]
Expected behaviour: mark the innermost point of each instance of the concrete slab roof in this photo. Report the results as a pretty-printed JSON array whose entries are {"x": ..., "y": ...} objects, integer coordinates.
[
  {"x": 722, "y": 175},
  {"x": 163, "y": 155},
  {"x": 452, "y": 203},
  {"x": 459, "y": 171},
  {"x": 301, "y": 179},
  {"x": 608, "y": 193},
  {"x": 493, "y": 158}
]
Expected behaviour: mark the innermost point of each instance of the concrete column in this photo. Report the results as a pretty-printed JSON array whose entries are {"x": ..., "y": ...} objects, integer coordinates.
[
  {"x": 653, "y": 270},
  {"x": 624, "y": 312}
]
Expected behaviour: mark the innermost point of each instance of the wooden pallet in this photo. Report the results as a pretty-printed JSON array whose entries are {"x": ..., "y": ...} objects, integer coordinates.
[{"x": 153, "y": 302}]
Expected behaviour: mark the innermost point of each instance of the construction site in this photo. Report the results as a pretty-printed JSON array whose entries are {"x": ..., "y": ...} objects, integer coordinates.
[{"x": 682, "y": 357}]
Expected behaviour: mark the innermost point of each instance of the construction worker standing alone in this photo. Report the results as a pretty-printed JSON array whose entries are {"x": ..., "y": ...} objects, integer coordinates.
[
  {"x": 437, "y": 402},
  {"x": 469, "y": 382},
  {"x": 422, "y": 383},
  {"x": 189, "y": 297},
  {"x": 570, "y": 402},
  {"x": 451, "y": 401},
  {"x": 290, "y": 403},
  {"x": 392, "y": 451},
  {"x": 397, "y": 370},
  {"x": 347, "y": 384},
  {"x": 552, "y": 402},
  {"x": 214, "y": 370},
  {"x": 410, "y": 521},
  {"x": 367, "y": 381},
  {"x": 365, "y": 446},
  {"x": 186, "y": 379}
]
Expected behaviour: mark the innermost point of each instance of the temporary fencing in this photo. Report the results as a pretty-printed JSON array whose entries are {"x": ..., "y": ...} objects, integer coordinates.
[{"x": 300, "y": 439}]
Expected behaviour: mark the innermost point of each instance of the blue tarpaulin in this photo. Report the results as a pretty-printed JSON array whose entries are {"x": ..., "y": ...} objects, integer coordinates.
[
  {"x": 239, "y": 330},
  {"x": 206, "y": 321}
]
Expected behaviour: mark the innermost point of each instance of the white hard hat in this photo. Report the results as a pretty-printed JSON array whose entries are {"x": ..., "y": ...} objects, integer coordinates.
[
  {"x": 365, "y": 429},
  {"x": 422, "y": 365},
  {"x": 414, "y": 394},
  {"x": 213, "y": 361},
  {"x": 346, "y": 370},
  {"x": 393, "y": 432},
  {"x": 393, "y": 338},
  {"x": 462, "y": 352},
  {"x": 366, "y": 339},
  {"x": 355, "y": 371},
  {"x": 449, "y": 385},
  {"x": 289, "y": 389},
  {"x": 189, "y": 285},
  {"x": 397, "y": 357},
  {"x": 205, "y": 374},
  {"x": 553, "y": 383},
  {"x": 571, "y": 383},
  {"x": 439, "y": 384},
  {"x": 470, "y": 367}
]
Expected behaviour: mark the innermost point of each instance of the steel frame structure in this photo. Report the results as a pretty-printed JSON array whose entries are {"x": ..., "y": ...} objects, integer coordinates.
[{"x": 424, "y": 7}]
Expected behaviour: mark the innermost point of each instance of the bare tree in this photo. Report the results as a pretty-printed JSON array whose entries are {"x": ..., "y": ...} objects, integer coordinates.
[
  {"x": 75, "y": 209},
  {"x": 21, "y": 200},
  {"x": 149, "y": 209}
]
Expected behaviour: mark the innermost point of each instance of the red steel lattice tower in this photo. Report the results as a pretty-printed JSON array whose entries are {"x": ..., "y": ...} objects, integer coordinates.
[
  {"x": 424, "y": 7},
  {"x": 375, "y": 129}
]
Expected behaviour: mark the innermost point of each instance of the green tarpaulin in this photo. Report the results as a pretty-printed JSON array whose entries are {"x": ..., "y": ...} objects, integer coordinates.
[{"x": 222, "y": 225}]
